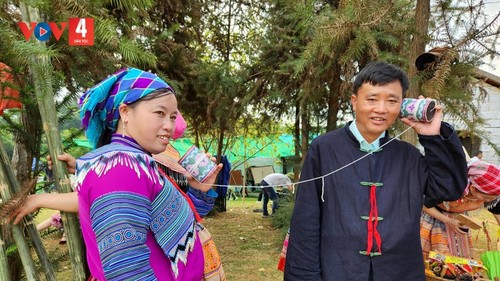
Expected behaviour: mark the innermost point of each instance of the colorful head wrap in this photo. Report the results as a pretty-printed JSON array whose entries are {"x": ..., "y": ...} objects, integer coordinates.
[
  {"x": 98, "y": 106},
  {"x": 485, "y": 177}
]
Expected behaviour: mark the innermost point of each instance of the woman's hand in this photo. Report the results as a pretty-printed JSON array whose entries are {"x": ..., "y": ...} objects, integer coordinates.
[
  {"x": 66, "y": 202},
  {"x": 208, "y": 182},
  {"x": 30, "y": 204},
  {"x": 455, "y": 225}
]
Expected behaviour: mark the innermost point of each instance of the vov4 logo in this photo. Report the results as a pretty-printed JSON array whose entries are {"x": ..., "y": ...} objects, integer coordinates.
[{"x": 81, "y": 31}]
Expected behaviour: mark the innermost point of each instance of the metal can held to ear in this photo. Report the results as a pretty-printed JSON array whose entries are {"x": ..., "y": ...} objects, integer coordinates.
[
  {"x": 197, "y": 164},
  {"x": 419, "y": 110}
]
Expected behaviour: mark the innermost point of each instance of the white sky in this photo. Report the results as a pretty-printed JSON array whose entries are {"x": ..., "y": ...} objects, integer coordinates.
[{"x": 492, "y": 9}]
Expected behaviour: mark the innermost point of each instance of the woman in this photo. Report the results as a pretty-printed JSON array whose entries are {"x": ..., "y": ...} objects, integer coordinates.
[
  {"x": 136, "y": 224},
  {"x": 440, "y": 231}
]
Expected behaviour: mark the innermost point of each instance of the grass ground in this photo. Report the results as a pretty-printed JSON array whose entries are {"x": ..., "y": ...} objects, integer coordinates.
[{"x": 249, "y": 245}]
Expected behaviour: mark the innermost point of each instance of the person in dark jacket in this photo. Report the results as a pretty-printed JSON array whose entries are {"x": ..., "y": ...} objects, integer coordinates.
[{"x": 358, "y": 218}]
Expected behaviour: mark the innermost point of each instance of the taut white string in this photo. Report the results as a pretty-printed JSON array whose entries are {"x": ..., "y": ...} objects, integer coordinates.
[{"x": 323, "y": 176}]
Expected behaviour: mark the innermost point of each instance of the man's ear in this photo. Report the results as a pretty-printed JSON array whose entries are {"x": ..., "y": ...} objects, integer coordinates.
[{"x": 354, "y": 100}]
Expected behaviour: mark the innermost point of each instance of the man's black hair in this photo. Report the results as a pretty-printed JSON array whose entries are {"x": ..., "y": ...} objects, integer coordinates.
[{"x": 379, "y": 73}]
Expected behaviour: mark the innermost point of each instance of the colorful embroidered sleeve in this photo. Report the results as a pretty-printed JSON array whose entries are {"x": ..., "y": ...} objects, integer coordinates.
[
  {"x": 115, "y": 194},
  {"x": 203, "y": 202},
  {"x": 120, "y": 226}
]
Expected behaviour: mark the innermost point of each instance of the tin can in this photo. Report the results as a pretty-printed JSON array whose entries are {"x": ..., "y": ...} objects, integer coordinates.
[
  {"x": 197, "y": 164},
  {"x": 419, "y": 110}
]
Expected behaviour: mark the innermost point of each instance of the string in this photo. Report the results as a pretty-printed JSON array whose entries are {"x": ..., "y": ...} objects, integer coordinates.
[{"x": 323, "y": 176}]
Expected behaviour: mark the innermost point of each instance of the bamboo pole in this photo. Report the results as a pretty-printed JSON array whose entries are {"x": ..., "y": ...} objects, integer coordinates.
[
  {"x": 4, "y": 267},
  {"x": 13, "y": 188},
  {"x": 6, "y": 175},
  {"x": 43, "y": 257},
  {"x": 41, "y": 72}
]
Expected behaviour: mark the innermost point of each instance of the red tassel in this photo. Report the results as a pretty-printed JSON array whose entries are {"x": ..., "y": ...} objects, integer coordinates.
[{"x": 373, "y": 222}]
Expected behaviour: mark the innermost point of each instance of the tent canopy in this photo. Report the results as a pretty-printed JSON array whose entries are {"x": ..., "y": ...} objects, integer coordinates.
[{"x": 241, "y": 150}]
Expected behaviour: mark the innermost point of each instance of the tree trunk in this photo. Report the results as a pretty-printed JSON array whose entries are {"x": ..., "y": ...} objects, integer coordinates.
[
  {"x": 296, "y": 139},
  {"x": 220, "y": 201},
  {"x": 22, "y": 167},
  {"x": 27, "y": 143},
  {"x": 333, "y": 99},
  {"x": 304, "y": 120},
  {"x": 41, "y": 71},
  {"x": 417, "y": 46}
]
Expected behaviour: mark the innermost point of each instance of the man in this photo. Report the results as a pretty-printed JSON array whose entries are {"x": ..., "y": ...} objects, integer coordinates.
[
  {"x": 478, "y": 156},
  {"x": 362, "y": 222},
  {"x": 268, "y": 183}
]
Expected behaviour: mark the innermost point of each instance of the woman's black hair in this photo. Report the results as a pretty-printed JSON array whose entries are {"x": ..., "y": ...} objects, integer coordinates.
[
  {"x": 153, "y": 95},
  {"x": 105, "y": 137}
]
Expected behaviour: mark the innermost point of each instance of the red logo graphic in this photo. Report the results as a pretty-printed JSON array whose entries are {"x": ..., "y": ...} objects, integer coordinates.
[{"x": 81, "y": 31}]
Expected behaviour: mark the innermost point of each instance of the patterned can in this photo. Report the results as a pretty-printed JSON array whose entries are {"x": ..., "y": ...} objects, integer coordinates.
[
  {"x": 420, "y": 110},
  {"x": 197, "y": 164}
]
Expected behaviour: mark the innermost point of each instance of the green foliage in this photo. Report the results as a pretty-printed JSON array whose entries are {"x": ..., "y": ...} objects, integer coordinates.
[
  {"x": 135, "y": 54},
  {"x": 283, "y": 215},
  {"x": 6, "y": 138},
  {"x": 11, "y": 250}
]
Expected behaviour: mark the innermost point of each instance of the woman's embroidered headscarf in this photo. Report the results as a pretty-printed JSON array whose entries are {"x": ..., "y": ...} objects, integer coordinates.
[
  {"x": 485, "y": 177},
  {"x": 99, "y": 105}
]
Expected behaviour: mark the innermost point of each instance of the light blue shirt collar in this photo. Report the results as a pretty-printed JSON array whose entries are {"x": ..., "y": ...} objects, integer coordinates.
[{"x": 363, "y": 144}]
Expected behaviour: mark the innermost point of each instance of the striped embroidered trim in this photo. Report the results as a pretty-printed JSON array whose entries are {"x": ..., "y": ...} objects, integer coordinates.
[
  {"x": 173, "y": 224},
  {"x": 120, "y": 226},
  {"x": 105, "y": 158}
]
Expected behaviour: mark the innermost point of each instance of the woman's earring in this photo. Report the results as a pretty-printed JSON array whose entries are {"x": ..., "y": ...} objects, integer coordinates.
[{"x": 123, "y": 131}]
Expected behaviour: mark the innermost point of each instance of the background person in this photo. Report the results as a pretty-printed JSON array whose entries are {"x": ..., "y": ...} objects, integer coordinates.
[
  {"x": 440, "y": 231},
  {"x": 362, "y": 222},
  {"x": 268, "y": 193},
  {"x": 478, "y": 156}
]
